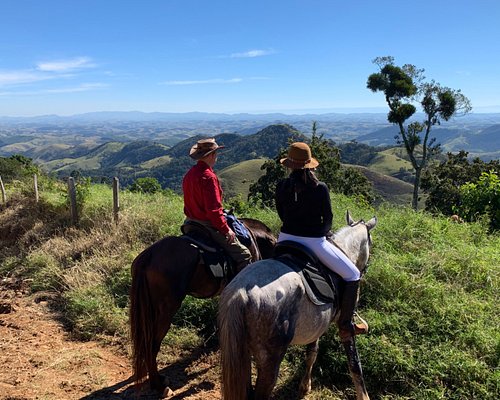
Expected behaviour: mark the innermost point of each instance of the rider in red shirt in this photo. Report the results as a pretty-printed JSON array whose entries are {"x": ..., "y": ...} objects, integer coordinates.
[{"x": 203, "y": 201}]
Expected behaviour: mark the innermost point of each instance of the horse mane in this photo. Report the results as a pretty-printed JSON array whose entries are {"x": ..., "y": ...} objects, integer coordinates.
[
  {"x": 262, "y": 234},
  {"x": 354, "y": 242}
]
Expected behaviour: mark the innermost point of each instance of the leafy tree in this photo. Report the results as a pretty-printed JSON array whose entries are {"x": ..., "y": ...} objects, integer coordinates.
[
  {"x": 354, "y": 183},
  {"x": 442, "y": 182},
  {"x": 357, "y": 153},
  {"x": 345, "y": 180},
  {"x": 404, "y": 85},
  {"x": 145, "y": 185},
  {"x": 17, "y": 167},
  {"x": 481, "y": 198},
  {"x": 262, "y": 192},
  {"x": 328, "y": 156}
]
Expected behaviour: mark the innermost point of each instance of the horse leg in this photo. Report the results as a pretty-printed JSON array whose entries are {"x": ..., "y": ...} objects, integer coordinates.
[
  {"x": 355, "y": 369},
  {"x": 163, "y": 322},
  {"x": 268, "y": 362},
  {"x": 311, "y": 355}
]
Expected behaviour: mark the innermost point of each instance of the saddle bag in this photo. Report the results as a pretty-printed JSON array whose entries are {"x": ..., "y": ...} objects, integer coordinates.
[
  {"x": 238, "y": 228},
  {"x": 214, "y": 257}
]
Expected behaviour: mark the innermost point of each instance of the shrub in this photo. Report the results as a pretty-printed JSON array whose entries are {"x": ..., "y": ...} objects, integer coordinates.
[{"x": 481, "y": 198}]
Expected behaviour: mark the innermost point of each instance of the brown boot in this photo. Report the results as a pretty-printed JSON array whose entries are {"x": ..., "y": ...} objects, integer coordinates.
[
  {"x": 361, "y": 328},
  {"x": 347, "y": 306}
]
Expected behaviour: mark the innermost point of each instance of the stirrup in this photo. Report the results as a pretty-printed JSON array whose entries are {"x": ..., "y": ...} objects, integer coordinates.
[{"x": 362, "y": 328}]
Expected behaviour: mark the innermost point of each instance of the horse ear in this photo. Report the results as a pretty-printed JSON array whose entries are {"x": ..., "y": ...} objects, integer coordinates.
[
  {"x": 348, "y": 218},
  {"x": 371, "y": 223}
]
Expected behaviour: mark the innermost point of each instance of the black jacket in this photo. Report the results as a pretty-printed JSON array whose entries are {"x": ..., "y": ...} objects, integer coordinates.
[{"x": 306, "y": 212}]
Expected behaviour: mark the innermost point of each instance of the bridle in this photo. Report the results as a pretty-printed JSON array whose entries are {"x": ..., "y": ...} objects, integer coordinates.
[{"x": 369, "y": 237}]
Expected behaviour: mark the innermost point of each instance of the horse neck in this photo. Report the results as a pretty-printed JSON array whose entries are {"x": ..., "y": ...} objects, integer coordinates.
[{"x": 353, "y": 241}]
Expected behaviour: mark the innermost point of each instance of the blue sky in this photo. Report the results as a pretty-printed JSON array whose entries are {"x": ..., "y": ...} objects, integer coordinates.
[{"x": 67, "y": 57}]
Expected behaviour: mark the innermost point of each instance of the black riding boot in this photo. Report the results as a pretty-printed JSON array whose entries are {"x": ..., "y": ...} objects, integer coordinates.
[{"x": 347, "y": 307}]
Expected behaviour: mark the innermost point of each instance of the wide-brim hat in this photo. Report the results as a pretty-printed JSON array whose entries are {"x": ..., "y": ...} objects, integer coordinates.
[
  {"x": 203, "y": 148},
  {"x": 299, "y": 157}
]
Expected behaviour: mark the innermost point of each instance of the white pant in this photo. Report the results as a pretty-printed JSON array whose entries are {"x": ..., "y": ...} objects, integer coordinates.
[{"x": 328, "y": 254}]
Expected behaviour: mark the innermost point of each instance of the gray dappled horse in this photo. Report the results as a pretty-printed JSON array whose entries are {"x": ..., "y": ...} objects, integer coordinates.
[{"x": 265, "y": 309}]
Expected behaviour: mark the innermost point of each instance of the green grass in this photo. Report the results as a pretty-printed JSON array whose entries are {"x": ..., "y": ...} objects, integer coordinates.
[
  {"x": 237, "y": 178},
  {"x": 387, "y": 188},
  {"x": 430, "y": 295},
  {"x": 85, "y": 162},
  {"x": 389, "y": 162},
  {"x": 156, "y": 162}
]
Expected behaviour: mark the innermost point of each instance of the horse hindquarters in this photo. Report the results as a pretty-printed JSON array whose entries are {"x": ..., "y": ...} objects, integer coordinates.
[
  {"x": 235, "y": 355},
  {"x": 153, "y": 304}
]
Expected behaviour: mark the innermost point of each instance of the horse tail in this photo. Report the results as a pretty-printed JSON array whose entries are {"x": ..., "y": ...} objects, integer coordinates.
[
  {"x": 142, "y": 318},
  {"x": 235, "y": 355}
]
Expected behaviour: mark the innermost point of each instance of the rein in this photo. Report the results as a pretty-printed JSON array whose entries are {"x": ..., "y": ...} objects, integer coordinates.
[{"x": 369, "y": 237}]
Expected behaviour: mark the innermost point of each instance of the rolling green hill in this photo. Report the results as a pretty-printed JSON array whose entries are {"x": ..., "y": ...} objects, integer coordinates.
[
  {"x": 386, "y": 187},
  {"x": 239, "y": 162},
  {"x": 95, "y": 159},
  {"x": 237, "y": 178},
  {"x": 390, "y": 162}
]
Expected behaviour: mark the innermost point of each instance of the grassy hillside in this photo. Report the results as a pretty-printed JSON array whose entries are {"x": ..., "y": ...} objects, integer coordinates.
[
  {"x": 237, "y": 178},
  {"x": 430, "y": 294},
  {"x": 390, "y": 162},
  {"x": 93, "y": 160},
  {"x": 388, "y": 188}
]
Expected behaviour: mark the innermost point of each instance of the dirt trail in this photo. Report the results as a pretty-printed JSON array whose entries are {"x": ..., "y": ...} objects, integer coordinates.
[{"x": 38, "y": 360}]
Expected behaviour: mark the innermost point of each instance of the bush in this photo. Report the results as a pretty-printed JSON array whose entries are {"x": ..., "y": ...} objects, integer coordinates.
[
  {"x": 145, "y": 185},
  {"x": 481, "y": 198}
]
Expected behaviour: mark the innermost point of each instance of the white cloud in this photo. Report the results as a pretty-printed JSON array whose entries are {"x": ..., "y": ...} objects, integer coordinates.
[
  {"x": 84, "y": 87},
  {"x": 65, "y": 65},
  {"x": 19, "y": 77},
  {"x": 252, "y": 54},
  {"x": 202, "y": 82},
  {"x": 45, "y": 71}
]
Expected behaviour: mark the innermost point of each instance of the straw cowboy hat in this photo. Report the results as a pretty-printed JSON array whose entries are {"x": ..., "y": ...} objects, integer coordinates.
[
  {"x": 299, "y": 157},
  {"x": 203, "y": 148}
]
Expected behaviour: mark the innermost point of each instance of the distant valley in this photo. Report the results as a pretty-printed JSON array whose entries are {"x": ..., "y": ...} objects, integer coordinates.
[
  {"x": 49, "y": 137},
  {"x": 132, "y": 145}
]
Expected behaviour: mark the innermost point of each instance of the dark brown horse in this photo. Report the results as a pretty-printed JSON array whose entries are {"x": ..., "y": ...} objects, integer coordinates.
[{"x": 162, "y": 276}]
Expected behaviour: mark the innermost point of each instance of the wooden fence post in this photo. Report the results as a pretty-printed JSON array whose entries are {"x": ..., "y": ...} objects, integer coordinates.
[
  {"x": 116, "y": 199},
  {"x": 2, "y": 187},
  {"x": 35, "y": 187},
  {"x": 72, "y": 200}
]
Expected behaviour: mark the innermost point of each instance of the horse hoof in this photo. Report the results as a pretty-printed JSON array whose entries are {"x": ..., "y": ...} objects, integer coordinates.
[
  {"x": 167, "y": 392},
  {"x": 304, "y": 389},
  {"x": 159, "y": 385}
]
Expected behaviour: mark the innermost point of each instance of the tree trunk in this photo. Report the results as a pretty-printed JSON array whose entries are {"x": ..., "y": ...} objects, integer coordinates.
[{"x": 416, "y": 186}]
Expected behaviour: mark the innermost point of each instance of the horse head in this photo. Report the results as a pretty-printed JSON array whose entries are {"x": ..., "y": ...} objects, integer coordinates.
[{"x": 355, "y": 240}]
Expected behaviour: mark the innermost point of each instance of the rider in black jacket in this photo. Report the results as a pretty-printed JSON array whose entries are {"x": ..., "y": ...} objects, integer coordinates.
[{"x": 304, "y": 207}]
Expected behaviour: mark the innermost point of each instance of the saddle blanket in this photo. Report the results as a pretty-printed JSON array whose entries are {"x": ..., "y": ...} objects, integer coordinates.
[{"x": 322, "y": 285}]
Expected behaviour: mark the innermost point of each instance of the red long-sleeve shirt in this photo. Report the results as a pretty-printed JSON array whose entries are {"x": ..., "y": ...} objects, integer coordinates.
[{"x": 203, "y": 196}]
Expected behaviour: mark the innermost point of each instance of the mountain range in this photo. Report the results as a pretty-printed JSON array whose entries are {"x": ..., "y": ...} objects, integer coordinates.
[
  {"x": 47, "y": 137},
  {"x": 136, "y": 144},
  {"x": 239, "y": 163}
]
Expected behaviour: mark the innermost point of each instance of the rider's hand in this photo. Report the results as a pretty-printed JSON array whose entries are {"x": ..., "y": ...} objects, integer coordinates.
[{"x": 230, "y": 236}]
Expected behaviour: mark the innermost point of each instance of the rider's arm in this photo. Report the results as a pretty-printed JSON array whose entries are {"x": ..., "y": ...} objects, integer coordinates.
[{"x": 213, "y": 203}]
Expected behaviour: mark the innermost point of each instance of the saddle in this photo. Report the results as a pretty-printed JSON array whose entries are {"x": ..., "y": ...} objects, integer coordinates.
[
  {"x": 322, "y": 285},
  {"x": 215, "y": 259}
]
